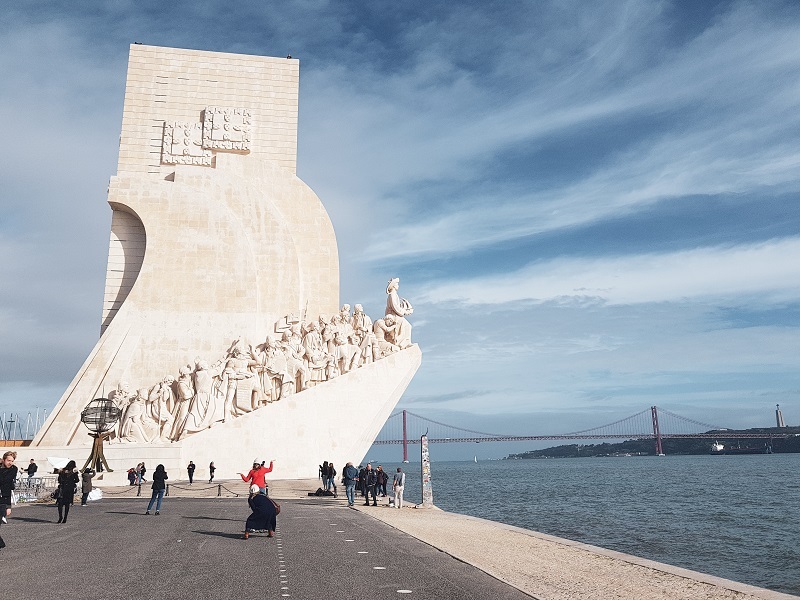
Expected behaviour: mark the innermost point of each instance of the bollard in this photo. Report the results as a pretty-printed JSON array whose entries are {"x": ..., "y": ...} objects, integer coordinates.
[
  {"x": 219, "y": 489},
  {"x": 166, "y": 491},
  {"x": 139, "y": 491}
]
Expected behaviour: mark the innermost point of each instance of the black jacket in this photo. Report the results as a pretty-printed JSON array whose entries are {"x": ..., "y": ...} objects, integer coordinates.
[
  {"x": 68, "y": 482},
  {"x": 159, "y": 480},
  {"x": 370, "y": 477},
  {"x": 7, "y": 483}
]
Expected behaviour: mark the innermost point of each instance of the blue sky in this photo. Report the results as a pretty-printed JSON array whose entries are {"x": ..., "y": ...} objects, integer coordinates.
[{"x": 592, "y": 206}]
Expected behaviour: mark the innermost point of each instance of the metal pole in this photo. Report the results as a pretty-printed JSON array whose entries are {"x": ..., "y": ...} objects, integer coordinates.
[
  {"x": 139, "y": 491},
  {"x": 219, "y": 489},
  {"x": 656, "y": 431},
  {"x": 405, "y": 439}
]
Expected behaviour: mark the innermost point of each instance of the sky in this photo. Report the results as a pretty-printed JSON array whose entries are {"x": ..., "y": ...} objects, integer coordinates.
[{"x": 592, "y": 206}]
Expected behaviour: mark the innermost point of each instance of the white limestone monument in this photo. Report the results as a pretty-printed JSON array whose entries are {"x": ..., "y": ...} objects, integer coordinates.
[{"x": 222, "y": 335}]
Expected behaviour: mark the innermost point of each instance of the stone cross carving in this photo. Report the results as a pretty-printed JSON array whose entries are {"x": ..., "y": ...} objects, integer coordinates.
[
  {"x": 226, "y": 128},
  {"x": 183, "y": 145}
]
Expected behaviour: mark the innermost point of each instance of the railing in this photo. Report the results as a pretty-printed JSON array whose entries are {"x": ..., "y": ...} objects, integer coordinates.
[{"x": 30, "y": 489}]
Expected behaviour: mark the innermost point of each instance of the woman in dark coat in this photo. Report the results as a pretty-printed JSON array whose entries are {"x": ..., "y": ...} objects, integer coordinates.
[
  {"x": 159, "y": 486},
  {"x": 263, "y": 517},
  {"x": 67, "y": 485}
]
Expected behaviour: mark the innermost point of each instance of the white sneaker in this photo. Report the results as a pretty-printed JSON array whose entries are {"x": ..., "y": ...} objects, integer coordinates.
[{"x": 4, "y": 520}]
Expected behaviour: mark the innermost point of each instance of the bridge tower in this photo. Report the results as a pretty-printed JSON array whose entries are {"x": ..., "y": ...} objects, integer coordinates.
[{"x": 656, "y": 431}]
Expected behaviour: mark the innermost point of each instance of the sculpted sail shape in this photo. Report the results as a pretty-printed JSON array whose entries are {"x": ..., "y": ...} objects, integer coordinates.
[{"x": 222, "y": 333}]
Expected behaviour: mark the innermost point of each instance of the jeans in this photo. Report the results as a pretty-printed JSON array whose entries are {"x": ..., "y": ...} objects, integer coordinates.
[
  {"x": 330, "y": 483},
  {"x": 157, "y": 495},
  {"x": 350, "y": 491}
]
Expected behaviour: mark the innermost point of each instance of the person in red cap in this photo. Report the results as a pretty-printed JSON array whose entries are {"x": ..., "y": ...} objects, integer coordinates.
[{"x": 257, "y": 475}]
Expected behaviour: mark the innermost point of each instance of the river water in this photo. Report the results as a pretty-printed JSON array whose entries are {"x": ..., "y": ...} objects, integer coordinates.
[{"x": 736, "y": 517}]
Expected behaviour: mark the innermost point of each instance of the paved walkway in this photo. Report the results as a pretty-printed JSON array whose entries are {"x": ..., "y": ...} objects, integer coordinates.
[{"x": 322, "y": 549}]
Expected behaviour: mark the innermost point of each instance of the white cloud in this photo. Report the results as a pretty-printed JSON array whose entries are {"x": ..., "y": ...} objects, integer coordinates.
[
  {"x": 734, "y": 116},
  {"x": 768, "y": 272}
]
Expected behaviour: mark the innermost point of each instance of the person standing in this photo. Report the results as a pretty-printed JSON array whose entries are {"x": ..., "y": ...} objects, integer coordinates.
[
  {"x": 142, "y": 473},
  {"x": 398, "y": 485},
  {"x": 257, "y": 475},
  {"x": 264, "y": 515},
  {"x": 86, "y": 484},
  {"x": 138, "y": 473},
  {"x": 211, "y": 469},
  {"x": 370, "y": 483},
  {"x": 362, "y": 480},
  {"x": 67, "y": 486},
  {"x": 350, "y": 476},
  {"x": 323, "y": 472},
  {"x": 331, "y": 483},
  {"x": 159, "y": 486},
  {"x": 8, "y": 476},
  {"x": 190, "y": 471},
  {"x": 31, "y": 469},
  {"x": 383, "y": 479}
]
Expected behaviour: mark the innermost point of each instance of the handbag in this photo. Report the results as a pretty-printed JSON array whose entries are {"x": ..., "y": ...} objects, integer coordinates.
[
  {"x": 276, "y": 505},
  {"x": 56, "y": 494}
]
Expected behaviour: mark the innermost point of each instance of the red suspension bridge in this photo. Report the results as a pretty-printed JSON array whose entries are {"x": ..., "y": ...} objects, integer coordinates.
[{"x": 405, "y": 427}]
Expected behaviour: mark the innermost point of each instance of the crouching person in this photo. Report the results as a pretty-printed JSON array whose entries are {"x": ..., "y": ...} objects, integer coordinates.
[{"x": 264, "y": 515}]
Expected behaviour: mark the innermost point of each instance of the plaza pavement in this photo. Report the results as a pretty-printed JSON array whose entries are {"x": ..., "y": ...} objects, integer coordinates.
[{"x": 110, "y": 549}]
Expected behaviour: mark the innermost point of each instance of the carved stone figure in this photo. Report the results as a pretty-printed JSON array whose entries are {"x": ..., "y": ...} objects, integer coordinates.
[
  {"x": 294, "y": 351},
  {"x": 362, "y": 327},
  {"x": 384, "y": 334},
  {"x": 346, "y": 355},
  {"x": 399, "y": 308},
  {"x": 317, "y": 358},
  {"x": 137, "y": 426},
  {"x": 183, "y": 401},
  {"x": 202, "y": 410},
  {"x": 241, "y": 385},
  {"x": 344, "y": 313},
  {"x": 121, "y": 397},
  {"x": 273, "y": 370},
  {"x": 161, "y": 401}
]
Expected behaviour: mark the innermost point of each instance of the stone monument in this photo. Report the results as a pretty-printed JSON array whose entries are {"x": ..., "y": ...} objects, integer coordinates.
[{"x": 222, "y": 336}]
